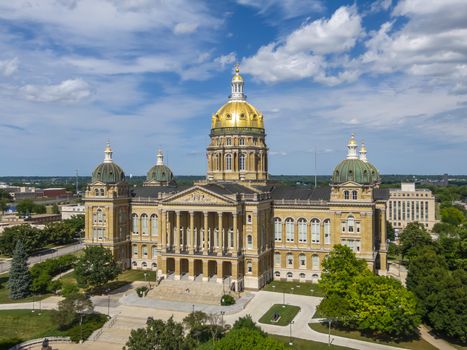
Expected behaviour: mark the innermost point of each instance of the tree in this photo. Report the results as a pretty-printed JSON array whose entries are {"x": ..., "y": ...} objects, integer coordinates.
[
  {"x": 70, "y": 309},
  {"x": 339, "y": 269},
  {"x": 3, "y": 205},
  {"x": 247, "y": 339},
  {"x": 390, "y": 232},
  {"x": 19, "y": 281},
  {"x": 25, "y": 206},
  {"x": 452, "y": 215},
  {"x": 59, "y": 232},
  {"x": 5, "y": 195},
  {"x": 31, "y": 237},
  {"x": 412, "y": 238},
  {"x": 96, "y": 267}
]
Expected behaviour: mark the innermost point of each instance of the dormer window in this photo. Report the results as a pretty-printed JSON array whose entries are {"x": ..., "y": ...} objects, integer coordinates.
[
  {"x": 228, "y": 141},
  {"x": 346, "y": 195}
]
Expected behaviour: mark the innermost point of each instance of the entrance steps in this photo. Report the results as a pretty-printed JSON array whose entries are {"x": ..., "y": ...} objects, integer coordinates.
[{"x": 195, "y": 292}]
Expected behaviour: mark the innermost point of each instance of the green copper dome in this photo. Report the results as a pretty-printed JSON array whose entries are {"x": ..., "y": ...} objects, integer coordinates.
[
  {"x": 355, "y": 170},
  {"x": 160, "y": 173},
  {"x": 108, "y": 173}
]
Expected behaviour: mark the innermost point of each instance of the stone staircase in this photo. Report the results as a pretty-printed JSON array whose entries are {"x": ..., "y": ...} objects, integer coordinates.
[{"x": 119, "y": 328}]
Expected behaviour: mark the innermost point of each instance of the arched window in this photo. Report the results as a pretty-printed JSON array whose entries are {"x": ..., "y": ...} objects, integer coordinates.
[
  {"x": 302, "y": 260},
  {"x": 277, "y": 274},
  {"x": 241, "y": 141},
  {"x": 277, "y": 259},
  {"x": 346, "y": 194},
  {"x": 144, "y": 264},
  {"x": 289, "y": 274},
  {"x": 135, "y": 264},
  {"x": 315, "y": 231},
  {"x": 350, "y": 224},
  {"x": 228, "y": 140},
  {"x": 134, "y": 223},
  {"x": 100, "y": 216},
  {"x": 302, "y": 230},
  {"x": 154, "y": 252},
  {"x": 96, "y": 192},
  {"x": 249, "y": 267},
  {"x": 289, "y": 259},
  {"x": 242, "y": 162},
  {"x": 228, "y": 162},
  {"x": 135, "y": 250},
  {"x": 327, "y": 231},
  {"x": 289, "y": 230},
  {"x": 302, "y": 275},
  {"x": 249, "y": 241},
  {"x": 144, "y": 249},
  {"x": 315, "y": 262},
  {"x": 277, "y": 229},
  {"x": 154, "y": 225},
  {"x": 354, "y": 195},
  {"x": 144, "y": 224}
]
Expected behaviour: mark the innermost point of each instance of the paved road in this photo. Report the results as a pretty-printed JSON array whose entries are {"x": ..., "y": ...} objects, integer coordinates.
[{"x": 48, "y": 254}]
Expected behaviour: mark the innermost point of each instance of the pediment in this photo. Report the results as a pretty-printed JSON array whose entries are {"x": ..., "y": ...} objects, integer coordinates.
[
  {"x": 197, "y": 195},
  {"x": 350, "y": 184}
]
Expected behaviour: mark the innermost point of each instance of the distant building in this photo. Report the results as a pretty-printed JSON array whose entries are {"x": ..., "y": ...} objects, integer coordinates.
[
  {"x": 34, "y": 219},
  {"x": 408, "y": 204},
  {"x": 71, "y": 210},
  {"x": 56, "y": 193}
]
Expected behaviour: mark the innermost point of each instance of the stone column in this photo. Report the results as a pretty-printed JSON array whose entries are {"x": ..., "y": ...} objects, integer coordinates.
[
  {"x": 163, "y": 230},
  {"x": 235, "y": 234},
  {"x": 284, "y": 233},
  {"x": 308, "y": 234},
  {"x": 177, "y": 232},
  {"x": 205, "y": 238},
  {"x": 205, "y": 270},
  {"x": 192, "y": 238},
  {"x": 220, "y": 250}
]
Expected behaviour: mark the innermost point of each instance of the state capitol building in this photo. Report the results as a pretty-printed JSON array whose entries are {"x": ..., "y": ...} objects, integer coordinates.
[{"x": 235, "y": 227}]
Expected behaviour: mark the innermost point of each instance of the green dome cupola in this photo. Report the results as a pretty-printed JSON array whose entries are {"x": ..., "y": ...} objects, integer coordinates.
[
  {"x": 354, "y": 168},
  {"x": 160, "y": 174},
  {"x": 108, "y": 172}
]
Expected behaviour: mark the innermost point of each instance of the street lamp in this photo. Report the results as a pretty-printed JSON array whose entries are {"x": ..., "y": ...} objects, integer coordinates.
[
  {"x": 290, "y": 334},
  {"x": 222, "y": 318},
  {"x": 329, "y": 334}
]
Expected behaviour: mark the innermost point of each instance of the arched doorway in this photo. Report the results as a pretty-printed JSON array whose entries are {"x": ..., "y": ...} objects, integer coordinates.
[
  {"x": 198, "y": 269},
  {"x": 212, "y": 270},
  {"x": 170, "y": 267},
  {"x": 184, "y": 268}
]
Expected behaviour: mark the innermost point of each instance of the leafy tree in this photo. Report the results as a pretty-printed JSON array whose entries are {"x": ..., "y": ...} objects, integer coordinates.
[
  {"x": 412, "y": 238},
  {"x": 60, "y": 232},
  {"x": 159, "y": 335},
  {"x": 19, "y": 281},
  {"x": 96, "y": 267},
  {"x": 5, "y": 195},
  {"x": 55, "y": 209},
  {"x": 31, "y": 237},
  {"x": 339, "y": 269},
  {"x": 71, "y": 309},
  {"x": 39, "y": 209},
  {"x": 246, "y": 322},
  {"x": 25, "y": 206},
  {"x": 247, "y": 339},
  {"x": 390, "y": 232},
  {"x": 452, "y": 215},
  {"x": 3, "y": 205},
  {"x": 454, "y": 248},
  {"x": 43, "y": 273}
]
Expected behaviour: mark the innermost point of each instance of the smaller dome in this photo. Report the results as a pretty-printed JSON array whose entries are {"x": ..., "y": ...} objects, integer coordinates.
[
  {"x": 160, "y": 173},
  {"x": 109, "y": 173},
  {"x": 355, "y": 170}
]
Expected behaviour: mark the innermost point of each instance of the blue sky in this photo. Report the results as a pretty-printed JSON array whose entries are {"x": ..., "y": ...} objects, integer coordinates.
[{"x": 148, "y": 74}]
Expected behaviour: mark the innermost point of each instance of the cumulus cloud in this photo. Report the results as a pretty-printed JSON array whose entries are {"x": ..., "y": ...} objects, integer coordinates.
[
  {"x": 8, "y": 67},
  {"x": 303, "y": 53},
  {"x": 72, "y": 90},
  {"x": 285, "y": 8}
]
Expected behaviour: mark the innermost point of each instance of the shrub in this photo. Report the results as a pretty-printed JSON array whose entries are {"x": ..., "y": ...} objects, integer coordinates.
[
  {"x": 91, "y": 322},
  {"x": 142, "y": 291},
  {"x": 68, "y": 289},
  {"x": 43, "y": 273},
  {"x": 227, "y": 300}
]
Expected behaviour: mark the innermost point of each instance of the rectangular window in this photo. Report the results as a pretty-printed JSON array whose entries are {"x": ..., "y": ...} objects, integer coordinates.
[
  {"x": 277, "y": 230},
  {"x": 327, "y": 232},
  {"x": 315, "y": 231},
  {"x": 302, "y": 231},
  {"x": 277, "y": 259},
  {"x": 145, "y": 251},
  {"x": 289, "y": 231},
  {"x": 135, "y": 250}
]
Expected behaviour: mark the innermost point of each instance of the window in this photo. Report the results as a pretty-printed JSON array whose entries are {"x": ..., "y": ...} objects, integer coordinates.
[
  {"x": 248, "y": 219},
  {"x": 241, "y": 141},
  {"x": 135, "y": 264},
  {"x": 249, "y": 267},
  {"x": 350, "y": 224},
  {"x": 315, "y": 262},
  {"x": 228, "y": 162},
  {"x": 154, "y": 225},
  {"x": 302, "y": 230},
  {"x": 102, "y": 191},
  {"x": 228, "y": 141},
  {"x": 315, "y": 231},
  {"x": 289, "y": 259},
  {"x": 144, "y": 264},
  {"x": 144, "y": 248},
  {"x": 302, "y": 260},
  {"x": 277, "y": 274},
  {"x": 346, "y": 194},
  {"x": 327, "y": 231},
  {"x": 277, "y": 229},
  {"x": 277, "y": 259},
  {"x": 289, "y": 230},
  {"x": 96, "y": 192},
  {"x": 302, "y": 275},
  {"x": 100, "y": 216},
  {"x": 144, "y": 224},
  {"x": 154, "y": 251},
  {"x": 289, "y": 274},
  {"x": 249, "y": 241},
  {"x": 242, "y": 162},
  {"x": 134, "y": 223},
  {"x": 135, "y": 249},
  {"x": 354, "y": 195}
]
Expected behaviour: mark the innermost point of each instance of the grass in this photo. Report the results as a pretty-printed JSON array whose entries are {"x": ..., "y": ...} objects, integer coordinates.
[
  {"x": 416, "y": 344},
  {"x": 136, "y": 275},
  {"x": 5, "y": 293},
  {"x": 20, "y": 325},
  {"x": 286, "y": 312},
  {"x": 303, "y": 344},
  {"x": 299, "y": 288}
]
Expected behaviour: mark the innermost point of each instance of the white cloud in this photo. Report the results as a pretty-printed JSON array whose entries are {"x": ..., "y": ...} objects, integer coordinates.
[
  {"x": 286, "y": 8},
  {"x": 185, "y": 28},
  {"x": 72, "y": 90},
  {"x": 302, "y": 54},
  {"x": 228, "y": 59},
  {"x": 8, "y": 67}
]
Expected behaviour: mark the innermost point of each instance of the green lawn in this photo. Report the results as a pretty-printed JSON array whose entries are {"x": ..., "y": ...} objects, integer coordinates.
[
  {"x": 302, "y": 344},
  {"x": 418, "y": 344},
  {"x": 20, "y": 325},
  {"x": 136, "y": 275},
  {"x": 5, "y": 293},
  {"x": 310, "y": 289},
  {"x": 286, "y": 312}
]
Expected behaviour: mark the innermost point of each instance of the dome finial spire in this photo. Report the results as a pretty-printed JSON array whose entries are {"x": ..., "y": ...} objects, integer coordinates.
[
  {"x": 363, "y": 152},
  {"x": 352, "y": 148},
  {"x": 108, "y": 153},
  {"x": 237, "y": 86},
  {"x": 160, "y": 157}
]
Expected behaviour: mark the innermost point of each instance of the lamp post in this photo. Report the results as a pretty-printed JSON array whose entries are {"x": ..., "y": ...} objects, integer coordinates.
[
  {"x": 329, "y": 334},
  {"x": 290, "y": 333},
  {"x": 222, "y": 318},
  {"x": 108, "y": 302}
]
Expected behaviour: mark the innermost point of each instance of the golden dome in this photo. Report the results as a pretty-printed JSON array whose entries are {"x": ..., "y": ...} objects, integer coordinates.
[{"x": 237, "y": 114}]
